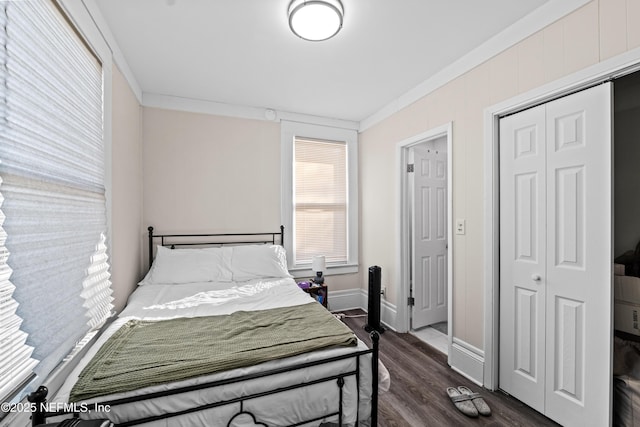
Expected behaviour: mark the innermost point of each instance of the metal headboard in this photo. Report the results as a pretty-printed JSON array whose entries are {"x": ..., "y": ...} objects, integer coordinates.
[{"x": 184, "y": 240}]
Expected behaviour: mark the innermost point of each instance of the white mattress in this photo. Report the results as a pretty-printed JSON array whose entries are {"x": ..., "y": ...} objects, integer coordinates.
[{"x": 157, "y": 302}]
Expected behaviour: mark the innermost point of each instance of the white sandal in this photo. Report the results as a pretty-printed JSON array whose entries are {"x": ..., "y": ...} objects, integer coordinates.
[
  {"x": 462, "y": 402},
  {"x": 477, "y": 400}
]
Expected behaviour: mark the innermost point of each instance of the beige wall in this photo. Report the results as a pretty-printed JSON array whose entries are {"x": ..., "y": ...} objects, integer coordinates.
[
  {"x": 205, "y": 172},
  {"x": 211, "y": 173},
  {"x": 599, "y": 30},
  {"x": 126, "y": 190},
  {"x": 217, "y": 173}
]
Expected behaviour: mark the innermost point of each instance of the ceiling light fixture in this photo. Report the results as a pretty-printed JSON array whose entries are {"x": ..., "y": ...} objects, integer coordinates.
[{"x": 315, "y": 20}]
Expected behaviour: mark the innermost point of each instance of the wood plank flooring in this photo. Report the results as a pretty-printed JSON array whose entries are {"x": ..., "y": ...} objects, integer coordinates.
[{"x": 419, "y": 379}]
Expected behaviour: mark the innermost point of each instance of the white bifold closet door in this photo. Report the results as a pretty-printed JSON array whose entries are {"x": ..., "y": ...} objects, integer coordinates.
[{"x": 555, "y": 257}]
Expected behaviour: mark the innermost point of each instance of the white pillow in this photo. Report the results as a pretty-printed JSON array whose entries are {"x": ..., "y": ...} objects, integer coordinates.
[
  {"x": 190, "y": 265},
  {"x": 256, "y": 261}
]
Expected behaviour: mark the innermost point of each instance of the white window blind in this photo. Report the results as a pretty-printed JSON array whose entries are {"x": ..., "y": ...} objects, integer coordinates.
[
  {"x": 16, "y": 364},
  {"x": 320, "y": 200},
  {"x": 52, "y": 166}
]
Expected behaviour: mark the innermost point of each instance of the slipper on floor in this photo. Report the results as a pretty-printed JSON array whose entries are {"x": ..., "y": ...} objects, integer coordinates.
[
  {"x": 462, "y": 402},
  {"x": 477, "y": 400}
]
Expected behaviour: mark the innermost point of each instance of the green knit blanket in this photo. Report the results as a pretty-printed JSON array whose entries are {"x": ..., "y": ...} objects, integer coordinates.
[{"x": 147, "y": 353}]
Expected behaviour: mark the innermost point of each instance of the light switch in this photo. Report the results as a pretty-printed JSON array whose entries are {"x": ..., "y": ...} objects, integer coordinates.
[{"x": 460, "y": 226}]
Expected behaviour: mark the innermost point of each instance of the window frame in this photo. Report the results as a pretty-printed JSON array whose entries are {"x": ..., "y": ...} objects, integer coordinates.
[{"x": 289, "y": 131}]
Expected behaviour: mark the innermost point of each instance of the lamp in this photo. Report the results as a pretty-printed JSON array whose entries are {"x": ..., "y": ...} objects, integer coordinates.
[
  {"x": 318, "y": 264},
  {"x": 315, "y": 20}
]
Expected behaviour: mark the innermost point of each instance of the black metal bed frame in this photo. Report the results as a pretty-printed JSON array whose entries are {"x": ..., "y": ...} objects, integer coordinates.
[
  {"x": 174, "y": 240},
  {"x": 220, "y": 239}
]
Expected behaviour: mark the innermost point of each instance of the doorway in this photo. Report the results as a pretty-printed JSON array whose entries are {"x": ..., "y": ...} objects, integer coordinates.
[
  {"x": 555, "y": 256},
  {"x": 606, "y": 70},
  {"x": 425, "y": 237}
]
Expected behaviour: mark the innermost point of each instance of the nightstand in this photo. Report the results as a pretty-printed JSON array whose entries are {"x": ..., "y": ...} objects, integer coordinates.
[{"x": 319, "y": 292}]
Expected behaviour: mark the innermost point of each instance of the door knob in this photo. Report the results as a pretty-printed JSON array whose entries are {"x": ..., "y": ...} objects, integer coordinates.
[{"x": 536, "y": 277}]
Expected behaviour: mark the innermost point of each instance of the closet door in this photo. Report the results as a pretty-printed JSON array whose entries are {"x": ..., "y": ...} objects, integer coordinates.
[
  {"x": 523, "y": 255},
  {"x": 579, "y": 258},
  {"x": 555, "y": 262}
]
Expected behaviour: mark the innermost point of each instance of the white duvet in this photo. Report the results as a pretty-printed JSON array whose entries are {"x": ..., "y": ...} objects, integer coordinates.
[{"x": 157, "y": 302}]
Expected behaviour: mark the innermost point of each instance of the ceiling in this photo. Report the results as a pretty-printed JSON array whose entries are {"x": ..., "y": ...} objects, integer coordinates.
[{"x": 242, "y": 53}]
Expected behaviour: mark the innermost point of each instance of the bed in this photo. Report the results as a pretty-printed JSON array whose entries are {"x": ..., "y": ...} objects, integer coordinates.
[{"x": 162, "y": 362}]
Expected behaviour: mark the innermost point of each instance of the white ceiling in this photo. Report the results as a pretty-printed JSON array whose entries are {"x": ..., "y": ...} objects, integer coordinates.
[{"x": 242, "y": 53}]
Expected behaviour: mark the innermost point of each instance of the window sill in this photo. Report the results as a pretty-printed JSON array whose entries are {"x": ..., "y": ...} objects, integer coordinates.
[{"x": 304, "y": 271}]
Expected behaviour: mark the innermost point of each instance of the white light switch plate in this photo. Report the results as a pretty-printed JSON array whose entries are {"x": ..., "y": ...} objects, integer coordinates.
[{"x": 460, "y": 226}]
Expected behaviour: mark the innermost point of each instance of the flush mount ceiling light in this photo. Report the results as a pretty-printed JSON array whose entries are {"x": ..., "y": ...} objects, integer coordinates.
[{"x": 315, "y": 20}]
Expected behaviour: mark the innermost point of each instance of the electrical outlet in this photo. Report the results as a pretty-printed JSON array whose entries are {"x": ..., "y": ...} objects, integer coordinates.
[{"x": 460, "y": 226}]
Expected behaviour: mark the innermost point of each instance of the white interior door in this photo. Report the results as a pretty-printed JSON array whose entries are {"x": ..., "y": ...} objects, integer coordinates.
[
  {"x": 523, "y": 256},
  {"x": 430, "y": 233},
  {"x": 555, "y": 261},
  {"x": 579, "y": 258}
]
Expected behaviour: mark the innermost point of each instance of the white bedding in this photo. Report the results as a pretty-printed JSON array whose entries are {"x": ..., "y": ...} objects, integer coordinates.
[{"x": 156, "y": 302}]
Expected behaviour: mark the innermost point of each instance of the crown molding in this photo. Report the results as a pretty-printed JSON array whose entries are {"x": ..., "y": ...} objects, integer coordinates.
[
  {"x": 118, "y": 57},
  {"x": 518, "y": 31},
  {"x": 170, "y": 102},
  {"x": 528, "y": 25}
]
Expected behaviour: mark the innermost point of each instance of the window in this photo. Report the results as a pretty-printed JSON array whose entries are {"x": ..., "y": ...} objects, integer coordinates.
[
  {"x": 320, "y": 196},
  {"x": 320, "y": 200},
  {"x": 54, "y": 274}
]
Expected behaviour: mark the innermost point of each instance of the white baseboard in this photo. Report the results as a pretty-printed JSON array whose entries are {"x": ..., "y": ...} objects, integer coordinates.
[
  {"x": 464, "y": 358},
  {"x": 467, "y": 360},
  {"x": 358, "y": 299},
  {"x": 345, "y": 300},
  {"x": 388, "y": 313}
]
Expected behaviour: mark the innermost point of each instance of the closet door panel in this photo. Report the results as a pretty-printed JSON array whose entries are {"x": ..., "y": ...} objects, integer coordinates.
[
  {"x": 570, "y": 347},
  {"x": 569, "y": 217},
  {"x": 578, "y": 286},
  {"x": 522, "y": 241}
]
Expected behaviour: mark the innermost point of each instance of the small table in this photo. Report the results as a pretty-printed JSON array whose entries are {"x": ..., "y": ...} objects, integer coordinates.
[{"x": 318, "y": 292}]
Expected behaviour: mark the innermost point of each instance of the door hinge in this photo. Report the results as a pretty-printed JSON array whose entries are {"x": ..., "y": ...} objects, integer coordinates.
[
  {"x": 411, "y": 301},
  {"x": 410, "y": 167}
]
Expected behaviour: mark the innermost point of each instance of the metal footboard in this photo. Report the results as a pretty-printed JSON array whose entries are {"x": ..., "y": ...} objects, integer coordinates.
[{"x": 39, "y": 397}]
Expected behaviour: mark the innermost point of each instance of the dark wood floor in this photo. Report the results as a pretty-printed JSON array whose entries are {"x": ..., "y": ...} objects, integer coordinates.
[{"x": 419, "y": 379}]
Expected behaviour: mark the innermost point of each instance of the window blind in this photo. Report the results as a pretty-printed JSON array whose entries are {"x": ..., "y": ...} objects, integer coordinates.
[
  {"x": 320, "y": 199},
  {"x": 16, "y": 364},
  {"x": 52, "y": 165}
]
